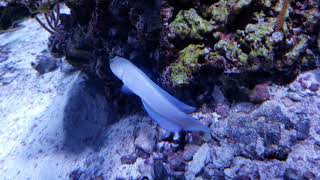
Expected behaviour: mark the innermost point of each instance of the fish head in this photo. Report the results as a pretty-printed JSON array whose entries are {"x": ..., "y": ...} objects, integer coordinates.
[{"x": 117, "y": 65}]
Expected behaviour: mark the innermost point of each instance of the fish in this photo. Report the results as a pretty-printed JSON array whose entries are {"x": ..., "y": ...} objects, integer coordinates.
[{"x": 167, "y": 111}]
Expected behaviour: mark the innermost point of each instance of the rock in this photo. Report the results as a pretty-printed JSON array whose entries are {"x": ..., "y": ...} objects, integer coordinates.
[
  {"x": 222, "y": 156},
  {"x": 260, "y": 93},
  {"x": 294, "y": 97},
  {"x": 240, "y": 5},
  {"x": 218, "y": 12},
  {"x": 303, "y": 84},
  {"x": 164, "y": 146},
  {"x": 65, "y": 67},
  {"x": 181, "y": 71},
  {"x": 222, "y": 109},
  {"x": 231, "y": 50},
  {"x": 277, "y": 37},
  {"x": 198, "y": 161},
  {"x": 299, "y": 48},
  {"x": 302, "y": 127},
  {"x": 210, "y": 172},
  {"x": 291, "y": 174},
  {"x": 142, "y": 154},
  {"x": 146, "y": 139},
  {"x": 189, "y": 151},
  {"x": 128, "y": 159},
  {"x": 218, "y": 95},
  {"x": 309, "y": 175},
  {"x": 45, "y": 64},
  {"x": 287, "y": 102},
  {"x": 163, "y": 134},
  {"x": 188, "y": 24},
  {"x": 243, "y": 107},
  {"x": 241, "y": 178},
  {"x": 195, "y": 138},
  {"x": 146, "y": 171},
  {"x": 314, "y": 87},
  {"x": 159, "y": 170},
  {"x": 176, "y": 162},
  {"x": 75, "y": 174}
]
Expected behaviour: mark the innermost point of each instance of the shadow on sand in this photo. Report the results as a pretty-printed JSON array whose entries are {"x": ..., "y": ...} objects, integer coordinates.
[{"x": 87, "y": 115}]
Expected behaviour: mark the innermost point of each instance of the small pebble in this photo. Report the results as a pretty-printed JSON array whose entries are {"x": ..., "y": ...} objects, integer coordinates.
[
  {"x": 260, "y": 93},
  {"x": 176, "y": 162},
  {"x": 189, "y": 151},
  {"x": 128, "y": 159},
  {"x": 309, "y": 175},
  {"x": 314, "y": 87},
  {"x": 287, "y": 102},
  {"x": 295, "y": 97},
  {"x": 302, "y": 83},
  {"x": 290, "y": 174}
]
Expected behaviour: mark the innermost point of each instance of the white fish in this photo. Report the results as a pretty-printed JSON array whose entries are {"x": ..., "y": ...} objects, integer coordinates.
[{"x": 166, "y": 110}]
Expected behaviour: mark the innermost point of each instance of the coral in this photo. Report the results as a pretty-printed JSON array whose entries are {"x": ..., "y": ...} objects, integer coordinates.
[
  {"x": 181, "y": 71},
  {"x": 298, "y": 49},
  {"x": 188, "y": 24},
  {"x": 218, "y": 12},
  {"x": 240, "y": 4},
  {"x": 259, "y": 31},
  {"x": 231, "y": 51},
  {"x": 189, "y": 44}
]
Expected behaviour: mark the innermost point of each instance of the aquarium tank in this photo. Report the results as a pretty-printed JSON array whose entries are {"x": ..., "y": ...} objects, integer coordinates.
[{"x": 159, "y": 89}]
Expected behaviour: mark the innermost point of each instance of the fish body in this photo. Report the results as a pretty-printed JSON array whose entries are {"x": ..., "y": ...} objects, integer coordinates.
[{"x": 167, "y": 111}]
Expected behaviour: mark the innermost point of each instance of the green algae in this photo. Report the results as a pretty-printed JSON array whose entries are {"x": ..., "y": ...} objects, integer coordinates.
[
  {"x": 299, "y": 48},
  {"x": 188, "y": 24},
  {"x": 218, "y": 11},
  {"x": 249, "y": 47},
  {"x": 240, "y": 4},
  {"x": 259, "y": 31},
  {"x": 231, "y": 50},
  {"x": 181, "y": 71},
  {"x": 243, "y": 58},
  {"x": 213, "y": 56}
]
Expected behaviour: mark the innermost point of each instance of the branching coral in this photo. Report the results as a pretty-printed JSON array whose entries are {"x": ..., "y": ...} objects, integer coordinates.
[
  {"x": 52, "y": 18},
  {"x": 50, "y": 9}
]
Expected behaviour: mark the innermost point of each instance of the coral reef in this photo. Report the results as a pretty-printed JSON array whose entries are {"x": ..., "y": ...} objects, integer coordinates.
[
  {"x": 187, "y": 63},
  {"x": 181, "y": 42},
  {"x": 186, "y": 45},
  {"x": 275, "y": 37},
  {"x": 189, "y": 25}
]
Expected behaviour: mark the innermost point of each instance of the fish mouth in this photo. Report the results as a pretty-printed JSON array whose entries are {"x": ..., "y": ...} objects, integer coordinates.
[{"x": 116, "y": 68}]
